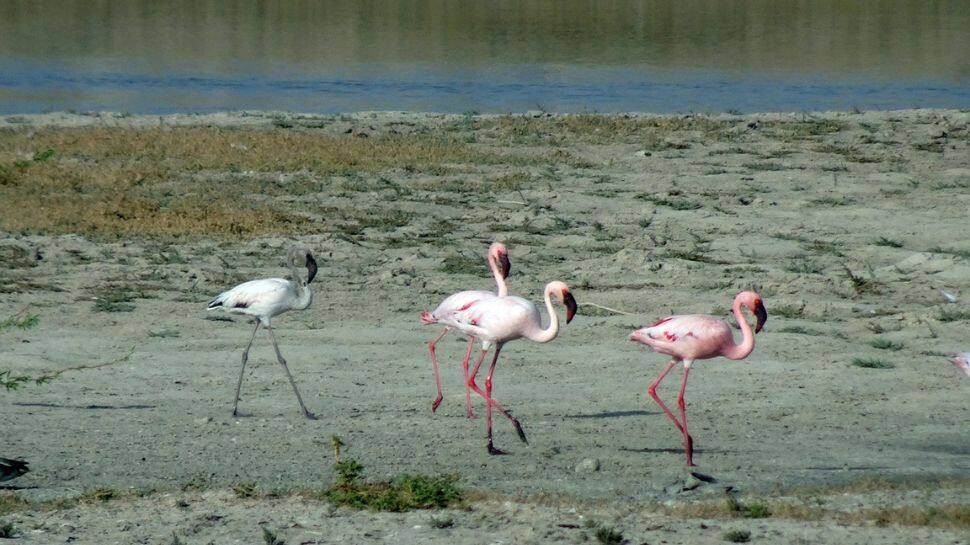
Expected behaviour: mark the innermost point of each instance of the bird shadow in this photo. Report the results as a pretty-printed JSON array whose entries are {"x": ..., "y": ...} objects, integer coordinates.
[
  {"x": 92, "y": 407},
  {"x": 15, "y": 487},
  {"x": 611, "y": 414},
  {"x": 672, "y": 450}
]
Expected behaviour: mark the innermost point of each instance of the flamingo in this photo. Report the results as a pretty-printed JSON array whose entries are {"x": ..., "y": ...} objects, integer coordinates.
[
  {"x": 498, "y": 320},
  {"x": 962, "y": 361},
  {"x": 498, "y": 262},
  {"x": 697, "y": 337},
  {"x": 266, "y": 298}
]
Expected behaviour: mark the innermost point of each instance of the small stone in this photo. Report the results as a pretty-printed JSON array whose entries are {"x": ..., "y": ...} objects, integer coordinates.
[
  {"x": 589, "y": 465},
  {"x": 692, "y": 482},
  {"x": 203, "y": 421}
]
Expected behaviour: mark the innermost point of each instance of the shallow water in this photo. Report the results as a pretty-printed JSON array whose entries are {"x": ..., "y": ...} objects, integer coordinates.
[{"x": 437, "y": 55}]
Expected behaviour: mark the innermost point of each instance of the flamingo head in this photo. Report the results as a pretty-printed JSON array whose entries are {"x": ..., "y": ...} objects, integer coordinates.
[
  {"x": 500, "y": 255},
  {"x": 561, "y": 291},
  {"x": 301, "y": 257},
  {"x": 754, "y": 303}
]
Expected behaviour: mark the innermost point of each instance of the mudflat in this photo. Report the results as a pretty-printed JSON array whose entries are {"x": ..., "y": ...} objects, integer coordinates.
[{"x": 118, "y": 229}]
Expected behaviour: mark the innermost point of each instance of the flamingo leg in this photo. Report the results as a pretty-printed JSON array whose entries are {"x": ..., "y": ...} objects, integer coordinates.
[
  {"x": 491, "y": 401},
  {"x": 245, "y": 358},
  {"x": 682, "y": 405},
  {"x": 282, "y": 361},
  {"x": 434, "y": 367},
  {"x": 469, "y": 413},
  {"x": 652, "y": 390}
]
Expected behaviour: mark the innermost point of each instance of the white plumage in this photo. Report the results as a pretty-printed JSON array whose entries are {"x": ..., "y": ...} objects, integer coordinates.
[{"x": 263, "y": 300}]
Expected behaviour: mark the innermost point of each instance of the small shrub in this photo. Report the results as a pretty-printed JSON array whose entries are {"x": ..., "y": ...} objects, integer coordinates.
[
  {"x": 737, "y": 536},
  {"x": 608, "y": 535},
  {"x": 245, "y": 490},
  {"x": 8, "y": 530},
  {"x": 883, "y": 241},
  {"x": 270, "y": 538},
  {"x": 402, "y": 493},
  {"x": 886, "y": 344},
  {"x": 441, "y": 521},
  {"x": 954, "y": 315},
  {"x": 872, "y": 363}
]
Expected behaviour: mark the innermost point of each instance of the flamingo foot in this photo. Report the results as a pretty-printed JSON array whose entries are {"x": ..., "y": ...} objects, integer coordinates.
[
  {"x": 494, "y": 451},
  {"x": 470, "y": 414},
  {"x": 309, "y": 415},
  {"x": 435, "y": 404},
  {"x": 520, "y": 431}
]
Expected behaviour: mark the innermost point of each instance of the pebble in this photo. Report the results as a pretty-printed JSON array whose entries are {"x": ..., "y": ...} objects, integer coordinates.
[
  {"x": 203, "y": 421},
  {"x": 588, "y": 465}
]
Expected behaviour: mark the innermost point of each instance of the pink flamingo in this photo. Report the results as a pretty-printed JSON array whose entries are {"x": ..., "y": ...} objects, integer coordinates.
[
  {"x": 697, "y": 337},
  {"x": 962, "y": 361},
  {"x": 498, "y": 320},
  {"x": 498, "y": 262}
]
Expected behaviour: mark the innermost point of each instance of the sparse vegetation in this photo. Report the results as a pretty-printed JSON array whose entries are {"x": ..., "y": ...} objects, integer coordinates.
[
  {"x": 245, "y": 490},
  {"x": 886, "y": 344},
  {"x": 891, "y": 243},
  {"x": 872, "y": 363},
  {"x": 8, "y": 530},
  {"x": 737, "y": 536},
  {"x": 402, "y": 493},
  {"x": 954, "y": 314},
  {"x": 270, "y": 537}
]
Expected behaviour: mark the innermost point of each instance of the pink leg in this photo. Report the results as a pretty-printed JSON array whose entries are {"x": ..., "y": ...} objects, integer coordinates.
[
  {"x": 490, "y": 402},
  {"x": 434, "y": 366},
  {"x": 688, "y": 440},
  {"x": 468, "y": 392},
  {"x": 652, "y": 390}
]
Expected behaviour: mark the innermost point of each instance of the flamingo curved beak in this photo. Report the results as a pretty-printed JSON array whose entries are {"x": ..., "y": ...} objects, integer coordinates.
[
  {"x": 311, "y": 267},
  {"x": 571, "y": 306},
  {"x": 761, "y": 314},
  {"x": 505, "y": 264}
]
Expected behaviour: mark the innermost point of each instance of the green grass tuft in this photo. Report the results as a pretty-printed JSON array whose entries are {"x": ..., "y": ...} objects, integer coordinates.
[
  {"x": 8, "y": 530},
  {"x": 737, "y": 536},
  {"x": 891, "y": 243},
  {"x": 405, "y": 492},
  {"x": 954, "y": 315},
  {"x": 886, "y": 344},
  {"x": 872, "y": 363}
]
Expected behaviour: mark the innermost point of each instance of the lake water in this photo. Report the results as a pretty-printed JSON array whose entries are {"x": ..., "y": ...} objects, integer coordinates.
[{"x": 145, "y": 56}]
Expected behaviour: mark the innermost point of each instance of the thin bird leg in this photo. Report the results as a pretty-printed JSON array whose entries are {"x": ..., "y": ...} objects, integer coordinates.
[
  {"x": 471, "y": 384},
  {"x": 469, "y": 413},
  {"x": 493, "y": 403},
  {"x": 434, "y": 367},
  {"x": 245, "y": 358},
  {"x": 279, "y": 357},
  {"x": 652, "y": 390},
  {"x": 688, "y": 441}
]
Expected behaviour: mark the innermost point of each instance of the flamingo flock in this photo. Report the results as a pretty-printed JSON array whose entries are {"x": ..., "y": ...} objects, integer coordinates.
[{"x": 494, "y": 319}]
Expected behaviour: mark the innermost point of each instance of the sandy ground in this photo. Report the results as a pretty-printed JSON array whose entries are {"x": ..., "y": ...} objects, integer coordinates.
[{"x": 649, "y": 228}]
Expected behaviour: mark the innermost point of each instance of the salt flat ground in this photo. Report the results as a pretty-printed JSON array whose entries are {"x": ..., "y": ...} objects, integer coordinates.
[{"x": 849, "y": 224}]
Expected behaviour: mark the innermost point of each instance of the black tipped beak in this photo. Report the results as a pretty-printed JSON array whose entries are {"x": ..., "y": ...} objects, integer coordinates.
[
  {"x": 762, "y": 315},
  {"x": 503, "y": 261},
  {"x": 571, "y": 306},
  {"x": 311, "y": 267}
]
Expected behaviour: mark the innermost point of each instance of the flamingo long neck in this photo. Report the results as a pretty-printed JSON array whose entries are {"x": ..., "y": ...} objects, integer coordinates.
[
  {"x": 540, "y": 335},
  {"x": 740, "y": 351},
  {"x": 503, "y": 290},
  {"x": 303, "y": 294}
]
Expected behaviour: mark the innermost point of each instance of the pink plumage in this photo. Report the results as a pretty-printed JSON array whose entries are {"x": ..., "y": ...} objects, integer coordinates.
[
  {"x": 498, "y": 320},
  {"x": 697, "y": 337},
  {"x": 961, "y": 361},
  {"x": 498, "y": 262}
]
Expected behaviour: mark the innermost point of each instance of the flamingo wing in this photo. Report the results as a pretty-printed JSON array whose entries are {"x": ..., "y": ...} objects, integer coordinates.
[
  {"x": 690, "y": 336},
  {"x": 255, "y": 293}
]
